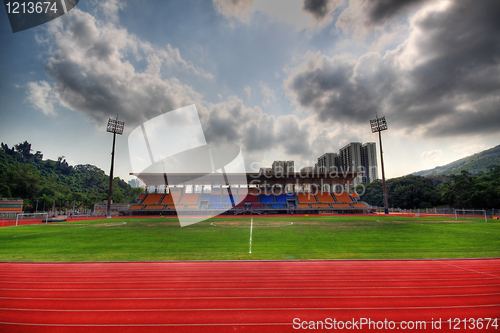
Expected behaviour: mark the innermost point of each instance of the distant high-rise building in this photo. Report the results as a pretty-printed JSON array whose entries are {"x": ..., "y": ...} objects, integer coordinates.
[
  {"x": 307, "y": 170},
  {"x": 265, "y": 171},
  {"x": 283, "y": 167},
  {"x": 328, "y": 162},
  {"x": 369, "y": 162},
  {"x": 135, "y": 183},
  {"x": 352, "y": 157}
]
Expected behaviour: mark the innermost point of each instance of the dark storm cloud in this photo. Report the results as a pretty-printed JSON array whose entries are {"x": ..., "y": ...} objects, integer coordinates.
[
  {"x": 317, "y": 8},
  {"x": 340, "y": 89},
  {"x": 481, "y": 120},
  {"x": 294, "y": 136},
  {"x": 382, "y": 10},
  {"x": 92, "y": 73},
  {"x": 259, "y": 139},
  {"x": 365, "y": 16},
  {"x": 447, "y": 71},
  {"x": 255, "y": 131},
  {"x": 223, "y": 121}
]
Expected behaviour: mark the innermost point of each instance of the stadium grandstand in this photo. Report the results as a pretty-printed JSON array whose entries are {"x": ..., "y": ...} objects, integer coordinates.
[
  {"x": 11, "y": 206},
  {"x": 290, "y": 193}
]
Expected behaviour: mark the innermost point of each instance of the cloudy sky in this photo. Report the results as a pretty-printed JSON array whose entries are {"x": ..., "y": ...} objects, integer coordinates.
[{"x": 283, "y": 79}]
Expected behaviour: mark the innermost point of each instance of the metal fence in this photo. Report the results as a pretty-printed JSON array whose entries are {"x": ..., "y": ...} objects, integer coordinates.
[{"x": 440, "y": 211}]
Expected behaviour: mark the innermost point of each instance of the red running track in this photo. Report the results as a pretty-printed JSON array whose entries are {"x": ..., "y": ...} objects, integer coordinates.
[{"x": 251, "y": 296}]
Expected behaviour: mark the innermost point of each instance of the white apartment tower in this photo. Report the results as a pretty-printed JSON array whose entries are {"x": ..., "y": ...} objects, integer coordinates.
[
  {"x": 283, "y": 167},
  {"x": 328, "y": 162},
  {"x": 352, "y": 157},
  {"x": 369, "y": 162}
]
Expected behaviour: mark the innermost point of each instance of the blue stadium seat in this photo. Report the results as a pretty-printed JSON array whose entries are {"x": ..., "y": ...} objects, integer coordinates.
[
  {"x": 218, "y": 206},
  {"x": 226, "y": 199},
  {"x": 214, "y": 199},
  {"x": 281, "y": 198},
  {"x": 266, "y": 199}
]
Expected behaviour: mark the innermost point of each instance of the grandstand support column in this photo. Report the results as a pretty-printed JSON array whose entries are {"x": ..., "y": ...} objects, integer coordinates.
[{"x": 115, "y": 127}]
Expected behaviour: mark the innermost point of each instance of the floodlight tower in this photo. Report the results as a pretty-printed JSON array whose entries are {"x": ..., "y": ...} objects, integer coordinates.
[
  {"x": 379, "y": 125},
  {"x": 115, "y": 127}
]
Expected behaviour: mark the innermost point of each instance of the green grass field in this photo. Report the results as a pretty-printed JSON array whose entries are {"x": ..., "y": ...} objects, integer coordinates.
[{"x": 157, "y": 239}]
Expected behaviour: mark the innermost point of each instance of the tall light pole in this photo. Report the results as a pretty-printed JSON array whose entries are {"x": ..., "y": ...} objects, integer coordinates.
[
  {"x": 115, "y": 127},
  {"x": 379, "y": 125}
]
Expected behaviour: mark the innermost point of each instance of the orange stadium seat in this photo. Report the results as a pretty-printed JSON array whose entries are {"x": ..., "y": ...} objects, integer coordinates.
[
  {"x": 306, "y": 198},
  {"x": 152, "y": 198},
  {"x": 342, "y": 197},
  {"x": 325, "y": 197},
  {"x": 154, "y": 207},
  {"x": 135, "y": 207},
  {"x": 341, "y": 206},
  {"x": 176, "y": 195},
  {"x": 172, "y": 197},
  {"x": 189, "y": 199},
  {"x": 191, "y": 207},
  {"x": 167, "y": 199},
  {"x": 141, "y": 196},
  {"x": 359, "y": 205},
  {"x": 10, "y": 209},
  {"x": 354, "y": 195},
  {"x": 304, "y": 206},
  {"x": 320, "y": 205}
]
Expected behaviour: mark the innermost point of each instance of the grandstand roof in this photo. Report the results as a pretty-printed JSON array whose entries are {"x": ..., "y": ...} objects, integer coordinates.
[{"x": 156, "y": 179}]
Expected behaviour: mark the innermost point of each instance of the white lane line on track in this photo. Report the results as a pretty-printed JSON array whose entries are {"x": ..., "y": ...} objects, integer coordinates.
[
  {"x": 468, "y": 269},
  {"x": 254, "y": 288},
  {"x": 251, "y": 228},
  {"x": 249, "y": 281},
  {"x": 240, "y": 297},
  {"x": 259, "y": 309},
  {"x": 146, "y": 325},
  {"x": 160, "y": 325},
  {"x": 169, "y": 274}
]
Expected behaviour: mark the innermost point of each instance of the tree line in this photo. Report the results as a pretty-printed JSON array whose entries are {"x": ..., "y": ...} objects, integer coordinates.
[
  {"x": 25, "y": 175},
  {"x": 466, "y": 190}
]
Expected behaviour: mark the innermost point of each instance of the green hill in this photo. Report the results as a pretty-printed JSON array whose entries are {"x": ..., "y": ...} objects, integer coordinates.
[
  {"x": 472, "y": 164},
  {"x": 29, "y": 177}
]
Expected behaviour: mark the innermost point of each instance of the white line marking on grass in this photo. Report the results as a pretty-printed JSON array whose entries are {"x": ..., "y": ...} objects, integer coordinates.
[{"x": 251, "y": 227}]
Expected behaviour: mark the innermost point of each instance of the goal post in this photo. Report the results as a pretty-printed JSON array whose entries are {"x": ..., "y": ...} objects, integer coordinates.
[
  {"x": 470, "y": 212},
  {"x": 32, "y": 217}
]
